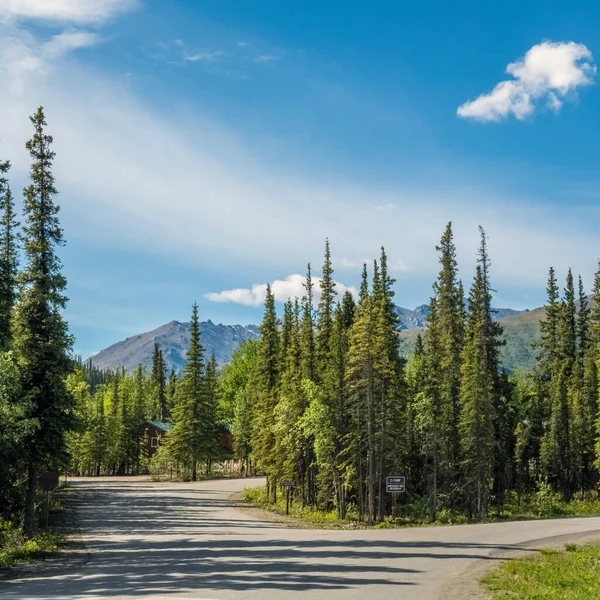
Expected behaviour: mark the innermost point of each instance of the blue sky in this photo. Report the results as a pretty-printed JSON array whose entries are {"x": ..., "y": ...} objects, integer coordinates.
[{"x": 205, "y": 148}]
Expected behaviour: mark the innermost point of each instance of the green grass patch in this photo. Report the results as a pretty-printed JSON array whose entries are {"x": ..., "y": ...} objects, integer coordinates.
[
  {"x": 572, "y": 574},
  {"x": 543, "y": 504},
  {"x": 258, "y": 497}
]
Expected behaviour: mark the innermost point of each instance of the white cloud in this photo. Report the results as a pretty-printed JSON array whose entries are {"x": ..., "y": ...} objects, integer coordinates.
[
  {"x": 64, "y": 11},
  {"x": 204, "y": 56},
  {"x": 549, "y": 74},
  {"x": 266, "y": 58},
  {"x": 283, "y": 289},
  {"x": 394, "y": 264},
  {"x": 66, "y": 42}
]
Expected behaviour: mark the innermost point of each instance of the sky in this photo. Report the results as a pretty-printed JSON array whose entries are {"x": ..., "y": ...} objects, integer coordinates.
[{"x": 205, "y": 148}]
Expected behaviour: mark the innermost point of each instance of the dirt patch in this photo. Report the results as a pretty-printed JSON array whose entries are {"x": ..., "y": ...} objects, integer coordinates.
[{"x": 468, "y": 584}]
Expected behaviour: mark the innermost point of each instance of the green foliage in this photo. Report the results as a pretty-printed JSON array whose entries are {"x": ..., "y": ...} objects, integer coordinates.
[
  {"x": 193, "y": 438},
  {"x": 16, "y": 548},
  {"x": 8, "y": 258},
  {"x": 40, "y": 337},
  {"x": 569, "y": 575}
]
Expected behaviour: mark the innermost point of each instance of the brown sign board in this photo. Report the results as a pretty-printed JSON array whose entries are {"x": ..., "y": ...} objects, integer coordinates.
[
  {"x": 48, "y": 481},
  {"x": 396, "y": 483}
]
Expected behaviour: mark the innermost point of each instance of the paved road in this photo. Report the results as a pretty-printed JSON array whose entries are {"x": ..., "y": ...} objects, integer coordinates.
[{"x": 158, "y": 540}]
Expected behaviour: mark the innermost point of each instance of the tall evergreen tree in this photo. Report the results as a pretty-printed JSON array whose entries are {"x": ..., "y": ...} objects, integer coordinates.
[
  {"x": 325, "y": 312},
  {"x": 8, "y": 259},
  {"x": 307, "y": 330},
  {"x": 210, "y": 449},
  {"x": 186, "y": 437},
  {"x": 159, "y": 380},
  {"x": 361, "y": 379},
  {"x": 267, "y": 382},
  {"x": 444, "y": 343},
  {"x": 41, "y": 341},
  {"x": 477, "y": 409}
]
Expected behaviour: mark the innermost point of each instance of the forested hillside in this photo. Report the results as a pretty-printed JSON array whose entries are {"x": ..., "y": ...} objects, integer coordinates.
[{"x": 520, "y": 333}]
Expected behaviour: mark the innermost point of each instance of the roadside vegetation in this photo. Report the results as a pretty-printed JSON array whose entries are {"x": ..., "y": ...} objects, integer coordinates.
[
  {"x": 570, "y": 574},
  {"x": 16, "y": 548},
  {"x": 544, "y": 504}
]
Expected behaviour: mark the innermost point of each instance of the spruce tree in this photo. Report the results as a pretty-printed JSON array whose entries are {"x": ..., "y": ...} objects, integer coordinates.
[
  {"x": 307, "y": 330},
  {"x": 8, "y": 259},
  {"x": 41, "y": 339},
  {"x": 160, "y": 384},
  {"x": 325, "y": 312},
  {"x": 583, "y": 321},
  {"x": 286, "y": 330},
  {"x": 267, "y": 382},
  {"x": 391, "y": 385},
  {"x": 210, "y": 450},
  {"x": 361, "y": 380},
  {"x": 476, "y": 403},
  {"x": 186, "y": 437},
  {"x": 444, "y": 343}
]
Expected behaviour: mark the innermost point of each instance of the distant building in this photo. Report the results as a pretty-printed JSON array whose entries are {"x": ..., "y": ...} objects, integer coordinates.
[{"x": 154, "y": 432}]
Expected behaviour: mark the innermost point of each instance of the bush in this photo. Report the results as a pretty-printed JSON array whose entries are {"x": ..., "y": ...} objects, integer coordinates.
[{"x": 15, "y": 548}]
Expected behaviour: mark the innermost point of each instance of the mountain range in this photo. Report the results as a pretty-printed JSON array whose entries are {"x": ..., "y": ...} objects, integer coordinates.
[
  {"x": 174, "y": 339},
  {"x": 521, "y": 328}
]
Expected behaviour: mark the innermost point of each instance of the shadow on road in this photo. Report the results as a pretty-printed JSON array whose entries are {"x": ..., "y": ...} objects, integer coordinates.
[{"x": 145, "y": 541}]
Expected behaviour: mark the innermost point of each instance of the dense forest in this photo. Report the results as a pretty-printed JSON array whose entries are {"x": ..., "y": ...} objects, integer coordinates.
[{"x": 324, "y": 400}]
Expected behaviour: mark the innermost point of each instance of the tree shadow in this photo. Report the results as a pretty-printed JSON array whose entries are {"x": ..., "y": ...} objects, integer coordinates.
[{"x": 147, "y": 540}]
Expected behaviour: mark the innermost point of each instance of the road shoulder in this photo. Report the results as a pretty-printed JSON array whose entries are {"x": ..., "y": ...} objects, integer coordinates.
[{"x": 467, "y": 585}]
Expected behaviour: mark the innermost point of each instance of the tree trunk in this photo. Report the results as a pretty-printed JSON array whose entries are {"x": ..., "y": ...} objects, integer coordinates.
[
  {"x": 29, "y": 514},
  {"x": 382, "y": 448},
  {"x": 370, "y": 454},
  {"x": 435, "y": 470}
]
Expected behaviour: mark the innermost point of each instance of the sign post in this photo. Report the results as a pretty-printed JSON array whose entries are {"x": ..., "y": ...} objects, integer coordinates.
[
  {"x": 48, "y": 482},
  {"x": 289, "y": 486},
  {"x": 396, "y": 484}
]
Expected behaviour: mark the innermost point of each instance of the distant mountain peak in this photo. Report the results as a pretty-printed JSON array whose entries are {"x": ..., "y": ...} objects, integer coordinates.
[{"x": 173, "y": 339}]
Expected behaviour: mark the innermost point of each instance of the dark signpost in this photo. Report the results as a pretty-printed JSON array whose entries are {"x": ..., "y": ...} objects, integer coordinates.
[
  {"x": 48, "y": 482},
  {"x": 396, "y": 484},
  {"x": 289, "y": 486}
]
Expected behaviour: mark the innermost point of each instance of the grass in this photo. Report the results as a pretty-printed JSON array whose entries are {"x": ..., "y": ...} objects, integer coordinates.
[
  {"x": 570, "y": 574},
  {"x": 544, "y": 504},
  {"x": 258, "y": 497}
]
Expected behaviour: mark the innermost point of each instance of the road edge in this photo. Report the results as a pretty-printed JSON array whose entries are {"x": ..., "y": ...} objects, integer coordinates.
[
  {"x": 73, "y": 554},
  {"x": 467, "y": 585}
]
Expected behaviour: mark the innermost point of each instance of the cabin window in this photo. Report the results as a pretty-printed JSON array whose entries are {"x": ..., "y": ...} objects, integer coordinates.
[{"x": 154, "y": 442}]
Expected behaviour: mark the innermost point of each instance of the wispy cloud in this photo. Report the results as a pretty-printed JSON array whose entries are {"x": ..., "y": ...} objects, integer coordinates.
[
  {"x": 64, "y": 11},
  {"x": 133, "y": 178},
  {"x": 283, "y": 289},
  {"x": 548, "y": 75},
  {"x": 266, "y": 58},
  {"x": 204, "y": 56},
  {"x": 346, "y": 264}
]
